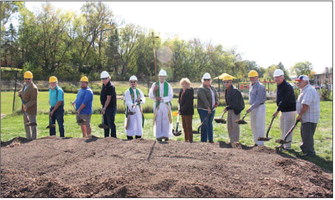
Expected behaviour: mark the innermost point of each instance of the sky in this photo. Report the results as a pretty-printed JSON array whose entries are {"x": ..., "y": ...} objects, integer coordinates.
[{"x": 265, "y": 32}]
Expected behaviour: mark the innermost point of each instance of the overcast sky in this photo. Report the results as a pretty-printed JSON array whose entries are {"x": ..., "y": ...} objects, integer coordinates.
[{"x": 268, "y": 33}]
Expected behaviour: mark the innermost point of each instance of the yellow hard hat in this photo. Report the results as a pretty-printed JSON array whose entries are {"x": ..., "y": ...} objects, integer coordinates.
[
  {"x": 84, "y": 79},
  {"x": 53, "y": 79},
  {"x": 28, "y": 74},
  {"x": 252, "y": 73}
]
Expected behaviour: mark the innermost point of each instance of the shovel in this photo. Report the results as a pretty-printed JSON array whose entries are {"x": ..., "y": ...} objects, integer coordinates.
[
  {"x": 284, "y": 141},
  {"x": 79, "y": 121},
  {"x": 242, "y": 121},
  {"x": 28, "y": 123},
  {"x": 176, "y": 132},
  {"x": 198, "y": 130},
  {"x": 50, "y": 124},
  {"x": 221, "y": 120},
  {"x": 267, "y": 133},
  {"x": 102, "y": 125}
]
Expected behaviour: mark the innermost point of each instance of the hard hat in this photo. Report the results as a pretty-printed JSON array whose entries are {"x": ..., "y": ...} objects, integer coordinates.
[
  {"x": 53, "y": 79},
  {"x": 28, "y": 74},
  {"x": 104, "y": 74},
  {"x": 227, "y": 77},
  {"x": 206, "y": 76},
  {"x": 278, "y": 72},
  {"x": 252, "y": 73},
  {"x": 133, "y": 78},
  {"x": 84, "y": 79},
  {"x": 302, "y": 78},
  {"x": 162, "y": 73}
]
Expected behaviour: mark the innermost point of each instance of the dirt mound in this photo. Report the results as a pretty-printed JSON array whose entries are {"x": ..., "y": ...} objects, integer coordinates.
[{"x": 109, "y": 167}]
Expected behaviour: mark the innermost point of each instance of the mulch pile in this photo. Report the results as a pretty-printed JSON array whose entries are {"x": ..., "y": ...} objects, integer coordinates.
[{"x": 109, "y": 167}]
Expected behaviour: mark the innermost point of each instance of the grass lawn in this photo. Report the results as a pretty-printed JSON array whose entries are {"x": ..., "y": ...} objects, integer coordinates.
[{"x": 12, "y": 126}]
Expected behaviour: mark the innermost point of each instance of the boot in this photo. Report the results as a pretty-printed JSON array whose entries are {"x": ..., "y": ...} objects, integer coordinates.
[
  {"x": 138, "y": 137},
  {"x": 129, "y": 137}
]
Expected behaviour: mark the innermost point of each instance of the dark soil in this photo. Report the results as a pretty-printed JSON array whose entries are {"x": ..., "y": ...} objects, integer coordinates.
[{"x": 78, "y": 167}]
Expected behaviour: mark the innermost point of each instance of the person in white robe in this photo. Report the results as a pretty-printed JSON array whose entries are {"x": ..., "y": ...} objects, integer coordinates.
[
  {"x": 161, "y": 92},
  {"x": 134, "y": 114}
]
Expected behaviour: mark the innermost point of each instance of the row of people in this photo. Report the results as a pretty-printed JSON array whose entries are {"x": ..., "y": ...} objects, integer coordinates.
[{"x": 307, "y": 107}]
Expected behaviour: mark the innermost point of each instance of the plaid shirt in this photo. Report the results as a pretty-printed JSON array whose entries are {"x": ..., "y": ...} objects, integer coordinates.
[{"x": 310, "y": 97}]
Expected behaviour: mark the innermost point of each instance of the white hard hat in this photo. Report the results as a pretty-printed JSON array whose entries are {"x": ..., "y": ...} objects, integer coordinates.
[
  {"x": 162, "y": 73},
  {"x": 104, "y": 74},
  {"x": 206, "y": 76},
  {"x": 133, "y": 78},
  {"x": 278, "y": 72}
]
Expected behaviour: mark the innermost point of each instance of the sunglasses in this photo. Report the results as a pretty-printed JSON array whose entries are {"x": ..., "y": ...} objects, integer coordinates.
[
  {"x": 132, "y": 81},
  {"x": 207, "y": 79},
  {"x": 27, "y": 79},
  {"x": 225, "y": 81},
  {"x": 104, "y": 79}
]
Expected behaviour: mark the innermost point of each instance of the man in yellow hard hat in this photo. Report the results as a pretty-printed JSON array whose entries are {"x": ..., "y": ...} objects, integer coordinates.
[
  {"x": 84, "y": 106},
  {"x": 28, "y": 95},
  {"x": 257, "y": 98},
  {"x": 235, "y": 104},
  {"x": 56, "y": 101}
]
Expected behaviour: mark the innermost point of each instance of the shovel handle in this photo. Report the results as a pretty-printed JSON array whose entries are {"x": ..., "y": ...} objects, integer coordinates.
[{"x": 291, "y": 130}]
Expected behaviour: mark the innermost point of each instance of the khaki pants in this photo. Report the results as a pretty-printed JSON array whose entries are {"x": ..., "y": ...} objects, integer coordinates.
[
  {"x": 287, "y": 120},
  {"x": 187, "y": 126},
  {"x": 31, "y": 131},
  {"x": 233, "y": 128},
  {"x": 257, "y": 117}
]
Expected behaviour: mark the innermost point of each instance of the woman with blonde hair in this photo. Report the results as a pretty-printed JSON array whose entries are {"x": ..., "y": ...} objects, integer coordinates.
[{"x": 186, "y": 110}]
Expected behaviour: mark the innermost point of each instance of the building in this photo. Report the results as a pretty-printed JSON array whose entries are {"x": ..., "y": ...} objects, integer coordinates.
[{"x": 320, "y": 79}]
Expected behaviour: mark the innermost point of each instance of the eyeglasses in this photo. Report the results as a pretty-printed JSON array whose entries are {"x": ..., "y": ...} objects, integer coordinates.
[
  {"x": 225, "y": 81},
  {"x": 132, "y": 81},
  {"x": 27, "y": 79},
  {"x": 104, "y": 78},
  {"x": 207, "y": 79}
]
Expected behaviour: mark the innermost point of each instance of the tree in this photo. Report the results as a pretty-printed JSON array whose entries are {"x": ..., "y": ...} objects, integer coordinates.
[{"x": 302, "y": 68}]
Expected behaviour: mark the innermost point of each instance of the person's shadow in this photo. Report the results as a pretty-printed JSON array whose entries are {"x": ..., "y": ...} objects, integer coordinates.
[{"x": 319, "y": 161}]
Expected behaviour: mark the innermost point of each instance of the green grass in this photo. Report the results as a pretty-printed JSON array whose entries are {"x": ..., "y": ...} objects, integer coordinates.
[{"x": 12, "y": 126}]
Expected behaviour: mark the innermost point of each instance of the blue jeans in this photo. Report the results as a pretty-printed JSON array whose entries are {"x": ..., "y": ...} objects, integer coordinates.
[
  {"x": 109, "y": 118},
  {"x": 59, "y": 116},
  {"x": 207, "y": 126}
]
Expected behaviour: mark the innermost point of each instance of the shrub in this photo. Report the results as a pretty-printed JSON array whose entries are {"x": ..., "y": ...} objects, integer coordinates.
[{"x": 325, "y": 94}]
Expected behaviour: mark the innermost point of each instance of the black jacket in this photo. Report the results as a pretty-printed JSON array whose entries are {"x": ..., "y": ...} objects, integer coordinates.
[
  {"x": 107, "y": 90},
  {"x": 186, "y": 102},
  {"x": 285, "y": 97},
  {"x": 234, "y": 100}
]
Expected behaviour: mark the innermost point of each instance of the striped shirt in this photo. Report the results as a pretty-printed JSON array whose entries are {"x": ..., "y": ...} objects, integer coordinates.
[{"x": 310, "y": 97}]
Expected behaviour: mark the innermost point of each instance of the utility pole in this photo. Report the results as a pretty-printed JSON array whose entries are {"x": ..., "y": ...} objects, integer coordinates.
[{"x": 154, "y": 49}]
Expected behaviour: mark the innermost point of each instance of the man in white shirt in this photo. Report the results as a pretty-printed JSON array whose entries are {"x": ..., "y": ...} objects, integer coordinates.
[
  {"x": 162, "y": 93},
  {"x": 308, "y": 109}
]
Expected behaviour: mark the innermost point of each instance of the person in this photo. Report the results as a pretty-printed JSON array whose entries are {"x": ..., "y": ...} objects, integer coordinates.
[
  {"x": 207, "y": 102},
  {"x": 308, "y": 109},
  {"x": 56, "y": 101},
  {"x": 257, "y": 98},
  {"x": 84, "y": 106},
  {"x": 186, "y": 109},
  {"x": 235, "y": 104},
  {"x": 161, "y": 92},
  {"x": 286, "y": 105},
  {"x": 108, "y": 103},
  {"x": 28, "y": 95},
  {"x": 134, "y": 97}
]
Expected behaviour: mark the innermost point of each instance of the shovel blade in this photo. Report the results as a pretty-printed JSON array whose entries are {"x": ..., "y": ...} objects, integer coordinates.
[
  {"x": 263, "y": 139},
  {"x": 51, "y": 126},
  {"x": 241, "y": 122},
  {"x": 281, "y": 141}
]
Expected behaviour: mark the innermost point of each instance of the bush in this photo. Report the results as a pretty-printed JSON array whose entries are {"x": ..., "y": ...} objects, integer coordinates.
[{"x": 325, "y": 94}]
